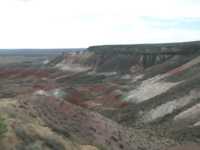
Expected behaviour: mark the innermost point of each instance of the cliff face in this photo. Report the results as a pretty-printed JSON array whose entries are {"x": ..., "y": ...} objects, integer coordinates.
[
  {"x": 121, "y": 58},
  {"x": 125, "y": 58}
]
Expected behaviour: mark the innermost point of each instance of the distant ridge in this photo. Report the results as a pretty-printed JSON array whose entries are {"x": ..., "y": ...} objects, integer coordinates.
[{"x": 38, "y": 51}]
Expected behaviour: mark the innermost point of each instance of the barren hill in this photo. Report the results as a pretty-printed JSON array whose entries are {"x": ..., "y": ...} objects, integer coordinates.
[{"x": 120, "y": 97}]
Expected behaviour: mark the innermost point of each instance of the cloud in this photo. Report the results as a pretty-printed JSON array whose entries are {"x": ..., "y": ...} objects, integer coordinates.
[
  {"x": 78, "y": 23},
  {"x": 186, "y": 23}
]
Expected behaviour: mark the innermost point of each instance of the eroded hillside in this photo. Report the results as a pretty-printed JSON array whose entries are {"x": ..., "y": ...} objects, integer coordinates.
[{"x": 123, "y": 97}]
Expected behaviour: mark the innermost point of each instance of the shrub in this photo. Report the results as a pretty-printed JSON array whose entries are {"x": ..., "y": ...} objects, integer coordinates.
[{"x": 3, "y": 127}]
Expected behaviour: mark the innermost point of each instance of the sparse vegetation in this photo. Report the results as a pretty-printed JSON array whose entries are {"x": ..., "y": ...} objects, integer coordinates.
[
  {"x": 94, "y": 111},
  {"x": 3, "y": 127}
]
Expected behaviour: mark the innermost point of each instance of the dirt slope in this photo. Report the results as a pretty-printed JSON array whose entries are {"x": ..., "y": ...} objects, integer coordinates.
[{"x": 123, "y": 97}]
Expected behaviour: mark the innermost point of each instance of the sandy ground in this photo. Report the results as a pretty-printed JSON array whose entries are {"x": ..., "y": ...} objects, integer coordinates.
[
  {"x": 149, "y": 89},
  {"x": 154, "y": 86},
  {"x": 170, "y": 107},
  {"x": 190, "y": 114},
  {"x": 72, "y": 67}
]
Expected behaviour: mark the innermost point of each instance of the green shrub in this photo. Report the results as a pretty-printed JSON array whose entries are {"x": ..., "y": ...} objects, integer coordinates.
[{"x": 3, "y": 127}]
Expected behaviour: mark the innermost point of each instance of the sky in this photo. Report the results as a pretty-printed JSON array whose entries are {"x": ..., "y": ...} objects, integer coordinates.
[{"x": 82, "y": 23}]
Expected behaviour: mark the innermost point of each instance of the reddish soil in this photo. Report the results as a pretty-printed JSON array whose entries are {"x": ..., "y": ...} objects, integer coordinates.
[
  {"x": 76, "y": 98},
  {"x": 176, "y": 71},
  {"x": 45, "y": 86},
  {"x": 89, "y": 126},
  {"x": 94, "y": 88},
  {"x": 21, "y": 73}
]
